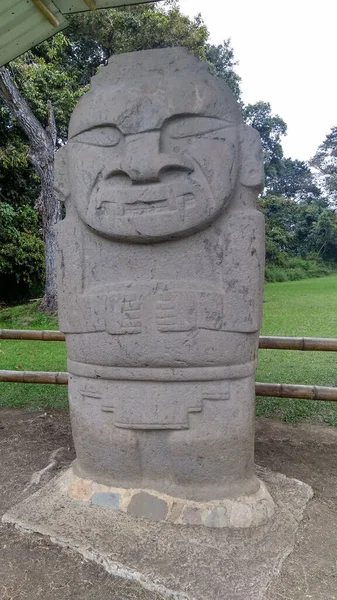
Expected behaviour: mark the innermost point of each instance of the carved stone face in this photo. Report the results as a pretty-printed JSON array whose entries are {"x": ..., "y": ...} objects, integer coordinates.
[{"x": 150, "y": 160}]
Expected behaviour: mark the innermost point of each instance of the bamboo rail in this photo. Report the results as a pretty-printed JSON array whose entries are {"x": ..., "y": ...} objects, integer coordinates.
[
  {"x": 275, "y": 390},
  {"x": 60, "y": 378},
  {"x": 46, "y": 335},
  {"x": 305, "y": 392},
  {"x": 298, "y": 343},
  {"x": 266, "y": 342}
]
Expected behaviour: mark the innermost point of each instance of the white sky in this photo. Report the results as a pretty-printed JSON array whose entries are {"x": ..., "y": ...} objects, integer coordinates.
[{"x": 287, "y": 53}]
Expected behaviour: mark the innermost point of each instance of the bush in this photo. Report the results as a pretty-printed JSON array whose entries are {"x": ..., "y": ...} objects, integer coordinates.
[
  {"x": 293, "y": 268},
  {"x": 21, "y": 253}
]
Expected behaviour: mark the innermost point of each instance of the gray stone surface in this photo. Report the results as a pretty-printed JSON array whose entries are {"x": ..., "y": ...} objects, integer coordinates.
[
  {"x": 160, "y": 278},
  {"x": 185, "y": 563},
  {"x": 106, "y": 499},
  {"x": 147, "y": 505}
]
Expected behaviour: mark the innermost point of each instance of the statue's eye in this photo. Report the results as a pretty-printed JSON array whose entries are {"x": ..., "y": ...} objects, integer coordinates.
[
  {"x": 99, "y": 136},
  {"x": 202, "y": 127}
]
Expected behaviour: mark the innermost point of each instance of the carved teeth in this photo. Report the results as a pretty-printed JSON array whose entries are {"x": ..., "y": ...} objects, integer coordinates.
[
  {"x": 148, "y": 204},
  {"x": 146, "y": 207},
  {"x": 183, "y": 202}
]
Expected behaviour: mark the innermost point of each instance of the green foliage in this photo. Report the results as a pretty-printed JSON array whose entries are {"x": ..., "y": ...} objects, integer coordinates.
[
  {"x": 21, "y": 253},
  {"x": 299, "y": 223},
  {"x": 280, "y": 214},
  {"x": 284, "y": 176},
  {"x": 18, "y": 183},
  {"x": 294, "y": 180},
  {"x": 301, "y": 238},
  {"x": 222, "y": 64},
  {"x": 94, "y": 37},
  {"x": 325, "y": 162},
  {"x": 296, "y": 268},
  {"x": 59, "y": 70},
  {"x": 42, "y": 79},
  {"x": 271, "y": 129}
]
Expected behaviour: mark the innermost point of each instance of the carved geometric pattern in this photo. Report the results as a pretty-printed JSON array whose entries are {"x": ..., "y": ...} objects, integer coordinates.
[
  {"x": 183, "y": 311},
  {"x": 177, "y": 420},
  {"x": 123, "y": 314},
  {"x": 176, "y": 311}
]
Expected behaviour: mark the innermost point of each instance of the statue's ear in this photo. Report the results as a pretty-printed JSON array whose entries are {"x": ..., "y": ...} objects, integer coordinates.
[
  {"x": 252, "y": 171},
  {"x": 61, "y": 180}
]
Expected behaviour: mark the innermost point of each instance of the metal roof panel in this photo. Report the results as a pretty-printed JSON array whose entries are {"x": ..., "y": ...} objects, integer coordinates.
[
  {"x": 71, "y": 6},
  {"x": 23, "y": 26}
]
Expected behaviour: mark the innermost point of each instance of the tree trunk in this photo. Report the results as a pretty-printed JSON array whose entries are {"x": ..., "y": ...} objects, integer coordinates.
[{"x": 42, "y": 144}]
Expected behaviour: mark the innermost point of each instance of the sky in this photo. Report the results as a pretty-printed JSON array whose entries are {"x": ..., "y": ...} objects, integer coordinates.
[{"x": 287, "y": 53}]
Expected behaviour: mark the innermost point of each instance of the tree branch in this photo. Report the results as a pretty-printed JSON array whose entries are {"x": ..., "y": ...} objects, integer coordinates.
[
  {"x": 21, "y": 110},
  {"x": 51, "y": 123}
]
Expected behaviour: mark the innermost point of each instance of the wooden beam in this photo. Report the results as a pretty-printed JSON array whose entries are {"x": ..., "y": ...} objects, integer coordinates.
[
  {"x": 46, "y": 13},
  {"x": 91, "y": 4}
]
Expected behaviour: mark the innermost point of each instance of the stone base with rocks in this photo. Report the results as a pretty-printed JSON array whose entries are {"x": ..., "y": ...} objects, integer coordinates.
[
  {"x": 180, "y": 562},
  {"x": 241, "y": 512}
]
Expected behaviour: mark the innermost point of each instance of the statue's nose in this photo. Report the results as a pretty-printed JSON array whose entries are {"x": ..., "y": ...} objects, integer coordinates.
[{"x": 143, "y": 161}]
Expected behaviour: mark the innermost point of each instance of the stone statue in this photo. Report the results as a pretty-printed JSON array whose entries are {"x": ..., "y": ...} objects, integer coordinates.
[{"x": 160, "y": 279}]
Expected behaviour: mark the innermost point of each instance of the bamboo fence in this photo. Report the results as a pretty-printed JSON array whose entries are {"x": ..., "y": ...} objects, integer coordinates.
[
  {"x": 266, "y": 342},
  {"x": 276, "y": 390}
]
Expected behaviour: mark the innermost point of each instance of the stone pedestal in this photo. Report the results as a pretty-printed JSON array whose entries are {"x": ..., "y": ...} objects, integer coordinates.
[
  {"x": 160, "y": 278},
  {"x": 177, "y": 562}
]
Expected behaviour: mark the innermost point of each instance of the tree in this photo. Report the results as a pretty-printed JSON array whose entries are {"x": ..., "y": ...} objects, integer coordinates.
[
  {"x": 221, "y": 60},
  {"x": 280, "y": 215},
  {"x": 47, "y": 82},
  {"x": 49, "y": 91},
  {"x": 94, "y": 37},
  {"x": 42, "y": 143},
  {"x": 325, "y": 162},
  {"x": 294, "y": 180},
  {"x": 271, "y": 129},
  {"x": 21, "y": 252},
  {"x": 299, "y": 229},
  {"x": 323, "y": 237}
]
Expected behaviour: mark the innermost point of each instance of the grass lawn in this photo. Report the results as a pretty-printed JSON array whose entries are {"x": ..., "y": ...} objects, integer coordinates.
[
  {"x": 31, "y": 356},
  {"x": 305, "y": 308},
  {"x": 294, "y": 308}
]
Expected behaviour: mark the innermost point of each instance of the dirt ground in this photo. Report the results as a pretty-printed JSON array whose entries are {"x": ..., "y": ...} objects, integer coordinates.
[{"x": 33, "y": 568}]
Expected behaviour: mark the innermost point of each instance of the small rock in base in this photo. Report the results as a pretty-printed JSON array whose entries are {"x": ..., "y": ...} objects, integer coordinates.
[
  {"x": 216, "y": 518},
  {"x": 106, "y": 499},
  {"x": 146, "y": 505},
  {"x": 192, "y": 516}
]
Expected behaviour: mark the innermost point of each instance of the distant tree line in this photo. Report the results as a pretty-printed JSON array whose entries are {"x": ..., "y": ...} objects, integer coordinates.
[{"x": 42, "y": 88}]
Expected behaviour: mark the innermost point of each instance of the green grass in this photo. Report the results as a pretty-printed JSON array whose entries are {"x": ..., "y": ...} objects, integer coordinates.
[
  {"x": 31, "y": 356},
  {"x": 294, "y": 308},
  {"x": 299, "y": 308}
]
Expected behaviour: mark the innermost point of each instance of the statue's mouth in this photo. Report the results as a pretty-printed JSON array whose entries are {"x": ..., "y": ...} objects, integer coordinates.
[{"x": 138, "y": 200}]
